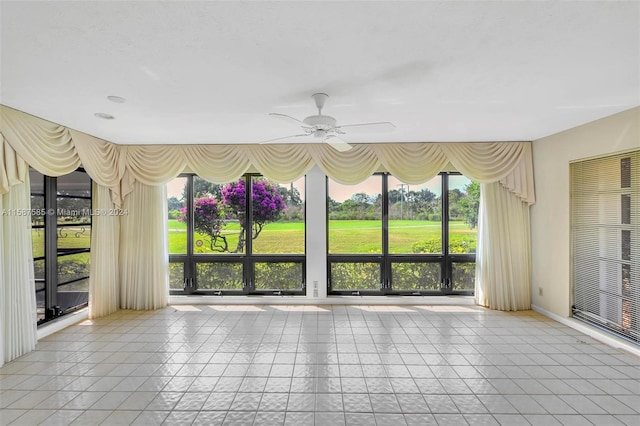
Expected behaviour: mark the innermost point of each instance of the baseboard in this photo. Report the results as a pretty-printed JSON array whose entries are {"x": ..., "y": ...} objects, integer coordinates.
[
  {"x": 330, "y": 300},
  {"x": 62, "y": 323},
  {"x": 590, "y": 331}
]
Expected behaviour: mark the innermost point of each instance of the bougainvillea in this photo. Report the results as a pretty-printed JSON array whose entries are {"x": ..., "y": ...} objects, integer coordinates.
[
  {"x": 268, "y": 205},
  {"x": 208, "y": 219},
  {"x": 211, "y": 216},
  {"x": 267, "y": 202}
]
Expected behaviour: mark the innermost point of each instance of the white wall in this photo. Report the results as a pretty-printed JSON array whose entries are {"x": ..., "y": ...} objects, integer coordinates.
[
  {"x": 550, "y": 215},
  {"x": 316, "y": 233}
]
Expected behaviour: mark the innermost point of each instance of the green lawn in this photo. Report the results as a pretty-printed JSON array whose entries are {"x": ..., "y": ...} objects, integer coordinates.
[
  {"x": 345, "y": 236},
  {"x": 69, "y": 266},
  {"x": 68, "y": 237},
  {"x": 277, "y": 237}
]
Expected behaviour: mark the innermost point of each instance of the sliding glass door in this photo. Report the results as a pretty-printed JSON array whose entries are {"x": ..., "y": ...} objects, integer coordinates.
[{"x": 61, "y": 237}]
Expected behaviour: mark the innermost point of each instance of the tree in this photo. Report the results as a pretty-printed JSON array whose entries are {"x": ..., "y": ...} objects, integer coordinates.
[
  {"x": 455, "y": 195},
  {"x": 268, "y": 205},
  {"x": 174, "y": 204},
  {"x": 72, "y": 208},
  {"x": 211, "y": 216},
  {"x": 208, "y": 219},
  {"x": 290, "y": 196},
  {"x": 469, "y": 205},
  {"x": 202, "y": 188},
  {"x": 293, "y": 201},
  {"x": 424, "y": 195},
  {"x": 394, "y": 196},
  {"x": 423, "y": 203},
  {"x": 362, "y": 198},
  {"x": 362, "y": 206},
  {"x": 334, "y": 208}
]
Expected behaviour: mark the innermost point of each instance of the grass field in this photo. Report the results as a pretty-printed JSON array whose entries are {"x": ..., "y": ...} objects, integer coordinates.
[
  {"x": 71, "y": 266},
  {"x": 345, "y": 236},
  {"x": 68, "y": 237}
]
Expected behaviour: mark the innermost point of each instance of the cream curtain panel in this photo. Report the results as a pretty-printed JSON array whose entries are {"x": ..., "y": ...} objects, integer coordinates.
[
  {"x": 143, "y": 257},
  {"x": 17, "y": 287},
  {"x": 104, "y": 275},
  {"x": 503, "y": 259}
]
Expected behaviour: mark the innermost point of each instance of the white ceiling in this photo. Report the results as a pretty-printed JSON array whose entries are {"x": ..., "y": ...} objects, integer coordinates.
[{"x": 210, "y": 72}]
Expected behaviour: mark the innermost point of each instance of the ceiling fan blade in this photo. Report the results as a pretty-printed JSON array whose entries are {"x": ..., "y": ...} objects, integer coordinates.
[
  {"x": 288, "y": 119},
  {"x": 337, "y": 143},
  {"x": 284, "y": 138},
  {"x": 382, "y": 126}
]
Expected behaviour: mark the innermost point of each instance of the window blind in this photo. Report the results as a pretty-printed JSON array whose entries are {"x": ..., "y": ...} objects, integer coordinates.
[{"x": 605, "y": 242}]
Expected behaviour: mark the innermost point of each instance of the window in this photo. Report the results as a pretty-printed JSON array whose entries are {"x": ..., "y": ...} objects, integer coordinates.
[
  {"x": 605, "y": 235},
  {"x": 61, "y": 237},
  {"x": 242, "y": 237},
  {"x": 389, "y": 237}
]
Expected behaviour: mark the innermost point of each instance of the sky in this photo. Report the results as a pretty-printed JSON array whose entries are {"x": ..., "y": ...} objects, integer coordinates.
[
  {"x": 174, "y": 188},
  {"x": 340, "y": 192},
  {"x": 373, "y": 185}
]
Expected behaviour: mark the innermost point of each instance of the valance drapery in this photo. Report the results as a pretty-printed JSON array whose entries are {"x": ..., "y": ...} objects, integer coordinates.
[
  {"x": 55, "y": 150},
  {"x": 12, "y": 167}
]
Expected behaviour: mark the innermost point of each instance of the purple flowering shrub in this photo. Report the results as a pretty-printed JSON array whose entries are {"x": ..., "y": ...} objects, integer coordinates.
[
  {"x": 268, "y": 205},
  {"x": 209, "y": 219},
  {"x": 211, "y": 216}
]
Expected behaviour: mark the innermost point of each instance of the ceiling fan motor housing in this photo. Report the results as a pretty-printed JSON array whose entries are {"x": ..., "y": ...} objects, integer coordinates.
[{"x": 320, "y": 122}]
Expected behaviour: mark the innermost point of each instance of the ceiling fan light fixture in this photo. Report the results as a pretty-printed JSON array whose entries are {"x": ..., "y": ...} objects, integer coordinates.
[{"x": 320, "y": 133}]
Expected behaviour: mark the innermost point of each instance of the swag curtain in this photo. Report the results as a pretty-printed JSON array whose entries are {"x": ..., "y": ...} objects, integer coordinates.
[
  {"x": 121, "y": 170},
  {"x": 55, "y": 150}
]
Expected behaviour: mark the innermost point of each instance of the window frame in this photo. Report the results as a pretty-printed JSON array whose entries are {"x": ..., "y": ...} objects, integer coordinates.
[
  {"x": 248, "y": 259},
  {"x": 445, "y": 259},
  {"x": 51, "y": 253}
]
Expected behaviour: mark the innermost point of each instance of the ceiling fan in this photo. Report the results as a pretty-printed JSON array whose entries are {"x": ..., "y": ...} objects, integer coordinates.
[{"x": 326, "y": 128}]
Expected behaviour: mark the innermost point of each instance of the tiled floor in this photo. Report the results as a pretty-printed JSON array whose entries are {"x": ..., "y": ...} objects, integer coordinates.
[{"x": 323, "y": 365}]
